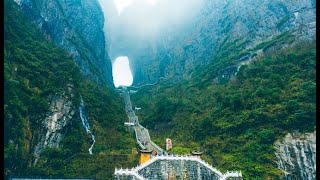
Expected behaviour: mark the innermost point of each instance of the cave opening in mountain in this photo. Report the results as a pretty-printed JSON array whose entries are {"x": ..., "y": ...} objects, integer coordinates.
[{"x": 121, "y": 72}]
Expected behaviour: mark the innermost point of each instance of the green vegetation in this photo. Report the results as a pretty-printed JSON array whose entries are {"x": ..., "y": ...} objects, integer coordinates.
[
  {"x": 229, "y": 54},
  {"x": 36, "y": 69},
  {"x": 179, "y": 150},
  {"x": 286, "y": 37},
  {"x": 236, "y": 123},
  {"x": 282, "y": 21}
]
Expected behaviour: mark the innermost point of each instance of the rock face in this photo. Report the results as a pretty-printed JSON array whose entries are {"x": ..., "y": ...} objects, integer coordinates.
[
  {"x": 177, "y": 50},
  {"x": 296, "y": 156},
  {"x": 77, "y": 26},
  {"x": 60, "y": 112}
]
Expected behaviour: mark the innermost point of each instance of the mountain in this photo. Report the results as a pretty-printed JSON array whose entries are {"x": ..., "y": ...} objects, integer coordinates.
[
  {"x": 76, "y": 26},
  {"x": 43, "y": 90},
  {"x": 209, "y": 33},
  {"x": 236, "y": 123},
  {"x": 238, "y": 84}
]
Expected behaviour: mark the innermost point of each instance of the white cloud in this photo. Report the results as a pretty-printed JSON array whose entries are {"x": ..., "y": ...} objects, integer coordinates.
[
  {"x": 122, "y": 4},
  {"x": 152, "y": 2}
]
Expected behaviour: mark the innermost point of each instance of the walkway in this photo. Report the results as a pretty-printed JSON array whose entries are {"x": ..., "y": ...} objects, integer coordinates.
[{"x": 142, "y": 134}]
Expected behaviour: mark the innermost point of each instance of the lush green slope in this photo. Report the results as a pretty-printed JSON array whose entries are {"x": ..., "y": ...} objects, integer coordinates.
[
  {"x": 236, "y": 123},
  {"x": 34, "y": 69}
]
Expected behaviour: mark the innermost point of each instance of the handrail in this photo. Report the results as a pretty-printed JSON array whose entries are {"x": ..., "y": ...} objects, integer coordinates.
[
  {"x": 232, "y": 174},
  {"x": 187, "y": 158},
  {"x": 172, "y": 157},
  {"x": 149, "y": 139},
  {"x": 127, "y": 172},
  {"x": 142, "y": 146},
  {"x": 135, "y": 171},
  {"x": 134, "y": 118}
]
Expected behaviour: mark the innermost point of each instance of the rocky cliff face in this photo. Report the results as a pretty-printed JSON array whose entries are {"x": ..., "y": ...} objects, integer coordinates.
[
  {"x": 296, "y": 156},
  {"x": 77, "y": 26},
  {"x": 60, "y": 113},
  {"x": 42, "y": 95},
  {"x": 176, "y": 51}
]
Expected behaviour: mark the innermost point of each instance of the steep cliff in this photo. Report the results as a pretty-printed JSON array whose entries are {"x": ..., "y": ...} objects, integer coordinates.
[
  {"x": 296, "y": 155},
  {"x": 60, "y": 113},
  {"x": 40, "y": 81},
  {"x": 235, "y": 122},
  {"x": 217, "y": 30},
  {"x": 77, "y": 26},
  {"x": 43, "y": 132}
]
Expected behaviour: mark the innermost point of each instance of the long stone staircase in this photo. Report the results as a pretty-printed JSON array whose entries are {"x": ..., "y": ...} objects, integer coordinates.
[
  {"x": 161, "y": 165},
  {"x": 142, "y": 134}
]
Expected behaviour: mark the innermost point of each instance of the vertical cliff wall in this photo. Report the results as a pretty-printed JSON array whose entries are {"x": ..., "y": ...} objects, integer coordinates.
[
  {"x": 58, "y": 117},
  {"x": 216, "y": 30},
  {"x": 296, "y": 156},
  {"x": 77, "y": 26},
  {"x": 43, "y": 133}
]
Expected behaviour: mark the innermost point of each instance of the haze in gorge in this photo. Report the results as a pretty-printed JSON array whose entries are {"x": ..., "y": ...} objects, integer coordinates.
[{"x": 93, "y": 86}]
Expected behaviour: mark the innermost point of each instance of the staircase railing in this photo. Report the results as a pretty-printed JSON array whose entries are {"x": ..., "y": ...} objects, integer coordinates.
[{"x": 221, "y": 176}]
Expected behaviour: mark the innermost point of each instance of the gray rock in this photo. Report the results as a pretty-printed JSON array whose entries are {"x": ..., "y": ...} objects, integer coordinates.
[
  {"x": 177, "y": 50},
  {"x": 59, "y": 115},
  {"x": 296, "y": 156},
  {"x": 77, "y": 26}
]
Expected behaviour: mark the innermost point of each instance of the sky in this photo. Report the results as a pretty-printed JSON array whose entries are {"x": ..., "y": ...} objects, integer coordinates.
[
  {"x": 121, "y": 72},
  {"x": 122, "y": 4}
]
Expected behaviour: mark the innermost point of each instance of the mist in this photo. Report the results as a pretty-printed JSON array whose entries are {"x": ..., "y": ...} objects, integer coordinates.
[
  {"x": 137, "y": 28},
  {"x": 140, "y": 20},
  {"x": 148, "y": 20}
]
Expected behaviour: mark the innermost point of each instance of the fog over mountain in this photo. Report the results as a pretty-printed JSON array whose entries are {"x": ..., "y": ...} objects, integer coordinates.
[
  {"x": 147, "y": 19},
  {"x": 233, "y": 79},
  {"x": 171, "y": 38}
]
